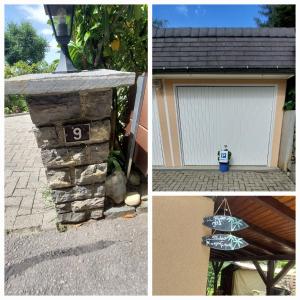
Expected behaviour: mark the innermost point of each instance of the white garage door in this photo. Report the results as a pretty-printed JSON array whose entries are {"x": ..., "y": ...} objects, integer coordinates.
[
  {"x": 238, "y": 116},
  {"x": 157, "y": 153}
]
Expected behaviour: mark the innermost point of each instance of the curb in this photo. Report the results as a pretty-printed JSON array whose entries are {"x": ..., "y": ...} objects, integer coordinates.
[{"x": 16, "y": 115}]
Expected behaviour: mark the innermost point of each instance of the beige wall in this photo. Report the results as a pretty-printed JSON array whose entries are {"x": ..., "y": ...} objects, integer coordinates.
[
  {"x": 168, "y": 116},
  {"x": 180, "y": 261}
]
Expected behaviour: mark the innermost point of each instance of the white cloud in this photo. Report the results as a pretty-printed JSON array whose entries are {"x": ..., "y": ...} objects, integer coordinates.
[
  {"x": 182, "y": 9},
  {"x": 34, "y": 13},
  {"x": 47, "y": 31},
  {"x": 200, "y": 11}
]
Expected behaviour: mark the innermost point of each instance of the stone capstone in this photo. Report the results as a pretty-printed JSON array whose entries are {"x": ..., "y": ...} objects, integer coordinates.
[
  {"x": 90, "y": 174},
  {"x": 115, "y": 186}
]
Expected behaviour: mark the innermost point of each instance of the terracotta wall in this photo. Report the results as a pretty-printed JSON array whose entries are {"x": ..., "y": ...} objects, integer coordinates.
[{"x": 180, "y": 261}]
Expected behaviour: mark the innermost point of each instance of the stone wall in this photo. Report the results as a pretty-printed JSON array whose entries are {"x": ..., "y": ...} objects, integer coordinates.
[{"x": 76, "y": 170}]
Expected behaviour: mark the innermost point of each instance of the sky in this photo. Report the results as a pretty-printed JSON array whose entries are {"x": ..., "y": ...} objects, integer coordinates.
[
  {"x": 207, "y": 15},
  {"x": 34, "y": 14}
]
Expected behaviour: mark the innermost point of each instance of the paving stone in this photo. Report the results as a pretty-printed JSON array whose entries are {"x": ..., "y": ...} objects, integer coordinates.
[
  {"x": 28, "y": 221},
  {"x": 188, "y": 180}
]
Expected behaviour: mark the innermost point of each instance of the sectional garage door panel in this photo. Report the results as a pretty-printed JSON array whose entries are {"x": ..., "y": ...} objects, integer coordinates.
[
  {"x": 157, "y": 153},
  {"x": 213, "y": 116}
]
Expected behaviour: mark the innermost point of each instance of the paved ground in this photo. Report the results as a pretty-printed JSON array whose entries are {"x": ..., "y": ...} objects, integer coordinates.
[
  {"x": 213, "y": 180},
  {"x": 101, "y": 258},
  {"x": 25, "y": 181}
]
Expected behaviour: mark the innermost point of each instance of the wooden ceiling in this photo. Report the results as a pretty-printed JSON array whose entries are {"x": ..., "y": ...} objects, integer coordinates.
[{"x": 271, "y": 231}]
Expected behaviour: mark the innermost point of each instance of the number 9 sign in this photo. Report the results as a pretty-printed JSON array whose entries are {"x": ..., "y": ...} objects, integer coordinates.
[{"x": 77, "y": 132}]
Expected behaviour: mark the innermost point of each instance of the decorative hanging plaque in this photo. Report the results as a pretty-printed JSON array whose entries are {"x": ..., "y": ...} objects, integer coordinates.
[
  {"x": 224, "y": 223},
  {"x": 227, "y": 242}
]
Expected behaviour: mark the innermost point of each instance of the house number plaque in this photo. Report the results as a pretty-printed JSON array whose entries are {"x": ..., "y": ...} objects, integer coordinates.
[{"x": 77, "y": 132}]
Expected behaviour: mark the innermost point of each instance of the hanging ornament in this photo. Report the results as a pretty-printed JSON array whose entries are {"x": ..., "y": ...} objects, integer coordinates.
[
  {"x": 226, "y": 242},
  {"x": 227, "y": 223}
]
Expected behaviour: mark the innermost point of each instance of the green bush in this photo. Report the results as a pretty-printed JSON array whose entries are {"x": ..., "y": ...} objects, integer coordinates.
[{"x": 17, "y": 103}]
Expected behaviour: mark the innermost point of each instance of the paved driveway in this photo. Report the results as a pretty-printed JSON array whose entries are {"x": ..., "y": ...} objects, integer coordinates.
[
  {"x": 213, "y": 180},
  {"x": 26, "y": 206},
  {"x": 102, "y": 258}
]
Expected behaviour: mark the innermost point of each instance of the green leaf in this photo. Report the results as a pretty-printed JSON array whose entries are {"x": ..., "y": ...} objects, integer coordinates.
[{"x": 87, "y": 36}]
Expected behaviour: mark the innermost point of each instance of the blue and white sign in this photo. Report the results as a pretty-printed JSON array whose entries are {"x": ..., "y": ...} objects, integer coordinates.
[{"x": 224, "y": 156}]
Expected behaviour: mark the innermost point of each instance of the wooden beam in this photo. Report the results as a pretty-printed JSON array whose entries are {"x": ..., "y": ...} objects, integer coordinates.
[
  {"x": 260, "y": 271},
  {"x": 217, "y": 266},
  {"x": 235, "y": 257},
  {"x": 277, "y": 207},
  {"x": 271, "y": 236},
  {"x": 283, "y": 272},
  {"x": 260, "y": 247},
  {"x": 270, "y": 276}
]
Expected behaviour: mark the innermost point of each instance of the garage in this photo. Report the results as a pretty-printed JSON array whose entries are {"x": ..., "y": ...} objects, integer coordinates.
[
  {"x": 240, "y": 117},
  {"x": 221, "y": 86}
]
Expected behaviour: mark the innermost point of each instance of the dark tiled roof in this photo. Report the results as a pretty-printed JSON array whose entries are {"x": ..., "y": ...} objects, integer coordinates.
[{"x": 224, "y": 50}]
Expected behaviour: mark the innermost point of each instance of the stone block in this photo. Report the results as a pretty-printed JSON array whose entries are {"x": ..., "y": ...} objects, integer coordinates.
[
  {"x": 88, "y": 204},
  {"x": 99, "y": 153},
  {"x": 65, "y": 157},
  {"x": 118, "y": 211},
  {"x": 99, "y": 190},
  {"x": 100, "y": 131},
  {"x": 90, "y": 174},
  {"x": 96, "y": 214},
  {"x": 55, "y": 157},
  {"x": 73, "y": 217},
  {"x": 59, "y": 178},
  {"x": 96, "y": 105},
  {"x": 49, "y": 109},
  {"x": 79, "y": 155},
  {"x": 46, "y": 136},
  {"x": 72, "y": 194}
]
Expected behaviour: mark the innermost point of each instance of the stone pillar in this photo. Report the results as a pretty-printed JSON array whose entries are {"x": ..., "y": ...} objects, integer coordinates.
[{"x": 71, "y": 113}]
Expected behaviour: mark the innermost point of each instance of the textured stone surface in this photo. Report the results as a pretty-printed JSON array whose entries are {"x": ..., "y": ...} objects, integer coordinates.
[
  {"x": 56, "y": 158},
  {"x": 118, "y": 211},
  {"x": 115, "y": 186},
  {"x": 90, "y": 174},
  {"x": 96, "y": 105},
  {"x": 73, "y": 217},
  {"x": 99, "y": 153},
  {"x": 72, "y": 194},
  {"x": 142, "y": 208},
  {"x": 59, "y": 178},
  {"x": 99, "y": 190},
  {"x": 81, "y": 205},
  {"x": 49, "y": 109},
  {"x": 100, "y": 131},
  {"x": 37, "y": 84},
  {"x": 88, "y": 204},
  {"x": 133, "y": 199},
  {"x": 96, "y": 214},
  {"x": 46, "y": 136},
  {"x": 134, "y": 178}
]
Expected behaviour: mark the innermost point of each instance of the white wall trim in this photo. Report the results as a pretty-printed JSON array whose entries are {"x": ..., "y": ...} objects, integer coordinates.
[{"x": 222, "y": 76}]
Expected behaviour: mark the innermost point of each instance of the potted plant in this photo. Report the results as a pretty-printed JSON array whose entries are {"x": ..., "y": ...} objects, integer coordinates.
[{"x": 224, "y": 157}]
